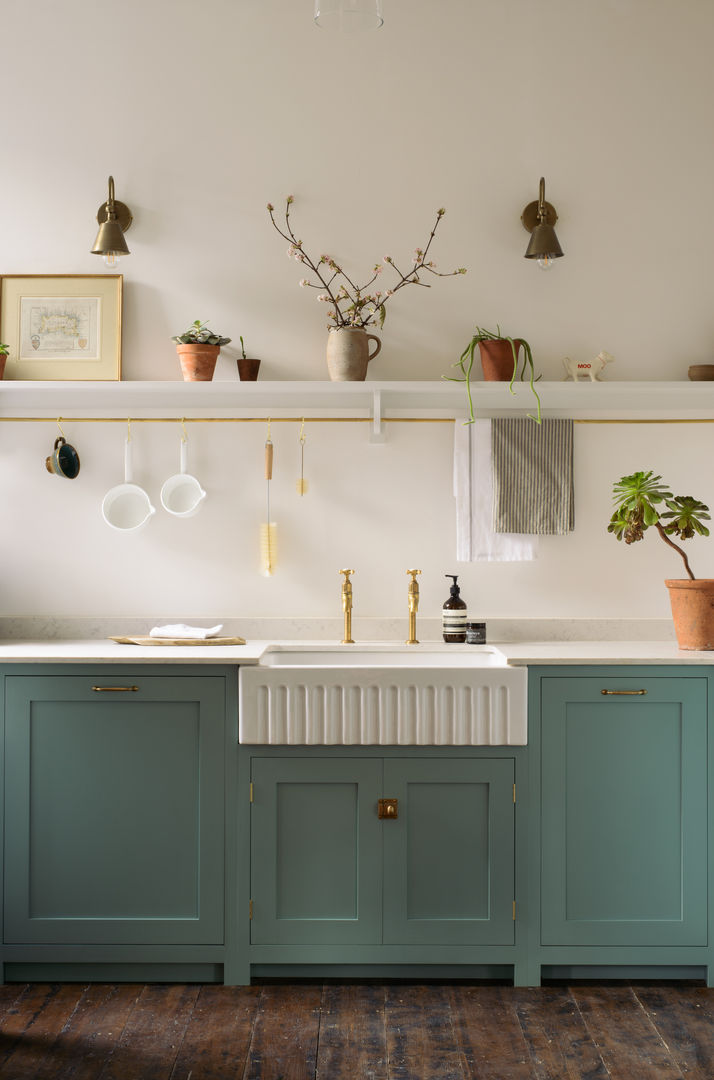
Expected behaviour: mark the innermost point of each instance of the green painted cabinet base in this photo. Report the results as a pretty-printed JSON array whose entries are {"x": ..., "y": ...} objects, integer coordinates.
[
  {"x": 621, "y": 858},
  {"x": 114, "y": 818},
  {"x": 334, "y": 884}
]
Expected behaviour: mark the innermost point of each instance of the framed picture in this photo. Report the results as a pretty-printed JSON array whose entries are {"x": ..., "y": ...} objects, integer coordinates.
[{"x": 61, "y": 326}]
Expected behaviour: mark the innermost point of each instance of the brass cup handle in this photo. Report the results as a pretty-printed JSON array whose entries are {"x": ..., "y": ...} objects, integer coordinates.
[
  {"x": 625, "y": 692},
  {"x": 113, "y": 689}
]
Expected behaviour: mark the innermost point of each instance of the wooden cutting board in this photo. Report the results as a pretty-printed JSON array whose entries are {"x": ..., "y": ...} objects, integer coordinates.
[{"x": 178, "y": 641}]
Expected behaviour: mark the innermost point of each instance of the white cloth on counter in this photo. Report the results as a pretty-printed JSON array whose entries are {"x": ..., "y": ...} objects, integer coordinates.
[
  {"x": 473, "y": 489},
  {"x": 181, "y": 630}
]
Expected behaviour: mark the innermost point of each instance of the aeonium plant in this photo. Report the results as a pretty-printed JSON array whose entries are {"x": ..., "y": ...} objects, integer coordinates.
[
  {"x": 643, "y": 502},
  {"x": 353, "y": 305}
]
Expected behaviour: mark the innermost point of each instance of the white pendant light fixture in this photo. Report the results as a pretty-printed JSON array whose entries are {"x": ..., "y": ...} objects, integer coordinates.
[{"x": 349, "y": 15}]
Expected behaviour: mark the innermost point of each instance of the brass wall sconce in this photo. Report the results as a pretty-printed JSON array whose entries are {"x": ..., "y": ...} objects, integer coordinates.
[
  {"x": 539, "y": 218},
  {"x": 114, "y": 219}
]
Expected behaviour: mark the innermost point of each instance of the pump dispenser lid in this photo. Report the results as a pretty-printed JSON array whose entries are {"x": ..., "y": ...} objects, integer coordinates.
[{"x": 454, "y": 589}]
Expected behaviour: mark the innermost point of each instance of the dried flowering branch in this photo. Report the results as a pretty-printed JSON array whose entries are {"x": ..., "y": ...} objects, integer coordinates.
[{"x": 354, "y": 305}]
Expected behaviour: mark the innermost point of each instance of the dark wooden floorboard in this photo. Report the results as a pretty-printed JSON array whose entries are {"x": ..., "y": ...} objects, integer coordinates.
[
  {"x": 421, "y": 1040},
  {"x": 685, "y": 1020},
  {"x": 150, "y": 1042},
  {"x": 353, "y": 1036},
  {"x": 628, "y": 1042},
  {"x": 355, "y": 1032},
  {"x": 285, "y": 1034},
  {"x": 90, "y": 1035},
  {"x": 217, "y": 1040},
  {"x": 558, "y": 1041},
  {"x": 31, "y": 1026},
  {"x": 491, "y": 1042}
]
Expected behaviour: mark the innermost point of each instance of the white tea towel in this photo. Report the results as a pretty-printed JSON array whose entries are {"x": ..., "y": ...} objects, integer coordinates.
[
  {"x": 181, "y": 630},
  {"x": 473, "y": 488}
]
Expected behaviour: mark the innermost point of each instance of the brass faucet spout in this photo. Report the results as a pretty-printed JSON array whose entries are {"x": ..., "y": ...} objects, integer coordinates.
[
  {"x": 413, "y": 597},
  {"x": 347, "y": 607}
]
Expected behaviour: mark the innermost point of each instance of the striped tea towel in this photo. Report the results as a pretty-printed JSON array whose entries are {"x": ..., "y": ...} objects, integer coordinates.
[
  {"x": 475, "y": 539},
  {"x": 533, "y": 476}
]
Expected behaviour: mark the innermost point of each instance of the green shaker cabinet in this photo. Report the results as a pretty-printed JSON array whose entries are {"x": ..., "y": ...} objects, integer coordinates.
[
  {"x": 621, "y": 762},
  {"x": 327, "y": 870},
  {"x": 114, "y": 809}
]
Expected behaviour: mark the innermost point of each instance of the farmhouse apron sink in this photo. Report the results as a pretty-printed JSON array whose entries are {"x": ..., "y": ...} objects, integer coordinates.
[{"x": 381, "y": 695}]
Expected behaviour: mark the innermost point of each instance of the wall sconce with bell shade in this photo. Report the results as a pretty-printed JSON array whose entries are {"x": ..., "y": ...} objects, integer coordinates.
[
  {"x": 114, "y": 219},
  {"x": 539, "y": 218},
  {"x": 349, "y": 15}
]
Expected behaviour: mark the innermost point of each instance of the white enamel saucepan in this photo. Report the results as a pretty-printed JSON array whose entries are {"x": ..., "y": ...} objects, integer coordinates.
[
  {"x": 182, "y": 494},
  {"x": 127, "y": 506}
]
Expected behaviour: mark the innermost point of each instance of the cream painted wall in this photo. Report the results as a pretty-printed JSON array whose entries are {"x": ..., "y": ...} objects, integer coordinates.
[{"x": 211, "y": 110}]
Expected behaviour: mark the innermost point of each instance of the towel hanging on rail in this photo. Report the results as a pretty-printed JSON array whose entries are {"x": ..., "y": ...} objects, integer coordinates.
[
  {"x": 473, "y": 489},
  {"x": 533, "y": 476}
]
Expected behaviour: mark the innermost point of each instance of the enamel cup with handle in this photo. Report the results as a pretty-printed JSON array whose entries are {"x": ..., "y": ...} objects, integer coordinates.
[
  {"x": 127, "y": 506},
  {"x": 64, "y": 460},
  {"x": 182, "y": 494}
]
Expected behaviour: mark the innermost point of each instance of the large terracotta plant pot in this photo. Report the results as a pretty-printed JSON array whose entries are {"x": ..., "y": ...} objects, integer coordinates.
[
  {"x": 497, "y": 359},
  {"x": 693, "y": 612},
  {"x": 198, "y": 362},
  {"x": 348, "y": 353},
  {"x": 3, "y": 361}
]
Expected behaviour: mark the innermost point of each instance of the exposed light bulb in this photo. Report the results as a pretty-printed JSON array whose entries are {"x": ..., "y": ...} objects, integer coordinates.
[
  {"x": 545, "y": 262},
  {"x": 111, "y": 260}
]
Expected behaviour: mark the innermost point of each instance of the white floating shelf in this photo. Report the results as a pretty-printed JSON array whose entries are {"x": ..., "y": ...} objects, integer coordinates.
[{"x": 605, "y": 400}]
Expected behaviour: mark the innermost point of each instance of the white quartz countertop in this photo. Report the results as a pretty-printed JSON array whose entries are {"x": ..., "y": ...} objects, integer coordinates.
[{"x": 103, "y": 650}]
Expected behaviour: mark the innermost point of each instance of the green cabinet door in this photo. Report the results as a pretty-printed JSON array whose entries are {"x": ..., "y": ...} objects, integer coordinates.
[
  {"x": 316, "y": 851},
  {"x": 449, "y": 856},
  {"x": 624, "y": 811},
  {"x": 114, "y": 809}
]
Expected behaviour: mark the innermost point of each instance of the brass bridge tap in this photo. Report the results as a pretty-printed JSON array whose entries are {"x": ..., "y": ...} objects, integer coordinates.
[
  {"x": 347, "y": 606},
  {"x": 413, "y": 607}
]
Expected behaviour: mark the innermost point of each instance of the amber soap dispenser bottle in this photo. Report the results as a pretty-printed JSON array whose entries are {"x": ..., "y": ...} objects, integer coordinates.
[{"x": 454, "y": 614}]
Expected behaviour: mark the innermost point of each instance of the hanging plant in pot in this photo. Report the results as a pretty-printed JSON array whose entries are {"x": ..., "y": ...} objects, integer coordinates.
[
  {"x": 198, "y": 350},
  {"x": 354, "y": 308},
  {"x": 500, "y": 359},
  {"x": 643, "y": 502}
]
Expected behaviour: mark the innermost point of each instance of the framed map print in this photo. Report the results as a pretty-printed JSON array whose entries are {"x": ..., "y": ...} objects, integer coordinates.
[{"x": 62, "y": 326}]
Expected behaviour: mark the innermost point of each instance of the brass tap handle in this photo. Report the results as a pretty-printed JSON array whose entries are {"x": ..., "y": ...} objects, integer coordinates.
[{"x": 347, "y": 606}]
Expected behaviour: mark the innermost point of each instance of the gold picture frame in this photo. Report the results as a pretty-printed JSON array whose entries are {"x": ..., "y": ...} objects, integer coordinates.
[{"x": 62, "y": 326}]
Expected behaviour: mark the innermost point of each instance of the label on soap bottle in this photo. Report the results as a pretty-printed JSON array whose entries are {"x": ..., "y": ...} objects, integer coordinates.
[{"x": 454, "y": 621}]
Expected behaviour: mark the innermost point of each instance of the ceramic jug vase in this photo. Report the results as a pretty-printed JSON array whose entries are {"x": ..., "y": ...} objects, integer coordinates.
[{"x": 348, "y": 353}]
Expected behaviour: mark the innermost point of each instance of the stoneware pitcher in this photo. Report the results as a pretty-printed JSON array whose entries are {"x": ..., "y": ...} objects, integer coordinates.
[{"x": 348, "y": 353}]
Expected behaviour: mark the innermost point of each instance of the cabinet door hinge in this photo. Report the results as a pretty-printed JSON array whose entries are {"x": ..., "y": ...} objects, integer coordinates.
[
  {"x": 250, "y": 909},
  {"x": 514, "y": 910},
  {"x": 514, "y": 793},
  {"x": 251, "y": 791}
]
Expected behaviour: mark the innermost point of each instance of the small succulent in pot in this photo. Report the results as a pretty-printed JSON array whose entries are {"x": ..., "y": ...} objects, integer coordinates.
[
  {"x": 198, "y": 334},
  {"x": 4, "y": 349}
]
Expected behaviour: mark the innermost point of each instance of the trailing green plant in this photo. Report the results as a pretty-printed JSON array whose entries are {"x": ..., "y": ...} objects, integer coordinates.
[
  {"x": 466, "y": 363},
  {"x": 640, "y": 501},
  {"x": 197, "y": 334},
  {"x": 4, "y": 349}
]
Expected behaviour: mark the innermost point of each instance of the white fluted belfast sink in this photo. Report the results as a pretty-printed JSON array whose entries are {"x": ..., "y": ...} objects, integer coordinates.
[{"x": 381, "y": 695}]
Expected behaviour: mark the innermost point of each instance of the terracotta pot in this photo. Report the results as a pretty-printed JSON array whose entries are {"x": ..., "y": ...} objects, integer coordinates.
[
  {"x": 348, "y": 353},
  {"x": 693, "y": 612},
  {"x": 497, "y": 359},
  {"x": 3, "y": 361},
  {"x": 198, "y": 362},
  {"x": 248, "y": 368}
]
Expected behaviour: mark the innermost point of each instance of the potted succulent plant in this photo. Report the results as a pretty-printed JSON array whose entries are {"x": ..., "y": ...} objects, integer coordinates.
[
  {"x": 4, "y": 350},
  {"x": 643, "y": 502},
  {"x": 499, "y": 362},
  {"x": 198, "y": 350},
  {"x": 248, "y": 366}
]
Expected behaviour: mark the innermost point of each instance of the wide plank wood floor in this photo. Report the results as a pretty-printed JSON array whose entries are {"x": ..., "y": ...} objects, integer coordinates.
[{"x": 378, "y": 1031}]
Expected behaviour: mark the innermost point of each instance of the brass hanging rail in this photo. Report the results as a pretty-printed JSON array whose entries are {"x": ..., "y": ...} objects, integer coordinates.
[{"x": 314, "y": 420}]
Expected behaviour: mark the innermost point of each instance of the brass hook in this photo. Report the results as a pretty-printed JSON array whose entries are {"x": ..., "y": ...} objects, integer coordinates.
[
  {"x": 184, "y": 435},
  {"x": 302, "y": 431},
  {"x": 60, "y": 427},
  {"x": 128, "y": 429}
]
